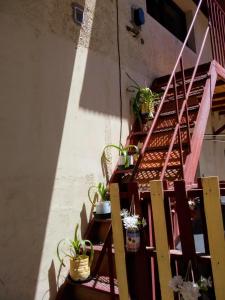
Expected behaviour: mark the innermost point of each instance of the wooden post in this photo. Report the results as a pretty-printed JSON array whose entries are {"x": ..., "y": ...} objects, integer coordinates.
[
  {"x": 185, "y": 226},
  {"x": 214, "y": 221},
  {"x": 162, "y": 248},
  {"x": 118, "y": 242}
]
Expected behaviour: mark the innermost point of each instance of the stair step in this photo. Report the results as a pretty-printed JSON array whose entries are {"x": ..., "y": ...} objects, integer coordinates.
[
  {"x": 154, "y": 160},
  {"x": 172, "y": 167},
  {"x": 177, "y": 254},
  {"x": 102, "y": 283},
  {"x": 124, "y": 171},
  {"x": 171, "y": 128},
  {"x": 161, "y": 130},
  {"x": 171, "y": 121},
  {"x": 165, "y": 149},
  {"x": 170, "y": 105},
  {"x": 96, "y": 288},
  {"x": 202, "y": 69},
  {"x": 197, "y": 87},
  {"x": 144, "y": 177}
]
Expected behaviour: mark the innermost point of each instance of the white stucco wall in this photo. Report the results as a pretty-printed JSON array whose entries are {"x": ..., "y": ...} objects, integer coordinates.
[{"x": 59, "y": 92}]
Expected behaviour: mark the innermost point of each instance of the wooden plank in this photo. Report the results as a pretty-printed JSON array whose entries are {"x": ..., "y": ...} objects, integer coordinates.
[
  {"x": 185, "y": 226},
  {"x": 214, "y": 221},
  {"x": 161, "y": 241},
  {"x": 118, "y": 242}
]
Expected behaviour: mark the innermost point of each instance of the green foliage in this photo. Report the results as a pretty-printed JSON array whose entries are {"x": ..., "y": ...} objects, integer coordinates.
[
  {"x": 101, "y": 190},
  {"x": 143, "y": 96},
  {"x": 73, "y": 248},
  {"x": 124, "y": 151}
]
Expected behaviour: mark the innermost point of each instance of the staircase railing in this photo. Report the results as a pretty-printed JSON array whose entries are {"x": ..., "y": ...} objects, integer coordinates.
[
  {"x": 219, "y": 53},
  {"x": 217, "y": 20}
]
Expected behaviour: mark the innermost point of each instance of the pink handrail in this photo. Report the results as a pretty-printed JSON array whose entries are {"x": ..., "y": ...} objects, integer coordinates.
[{"x": 166, "y": 92}]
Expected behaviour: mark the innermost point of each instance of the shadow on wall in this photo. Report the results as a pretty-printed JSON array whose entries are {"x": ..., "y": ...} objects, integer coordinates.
[
  {"x": 100, "y": 92},
  {"x": 37, "y": 62}
]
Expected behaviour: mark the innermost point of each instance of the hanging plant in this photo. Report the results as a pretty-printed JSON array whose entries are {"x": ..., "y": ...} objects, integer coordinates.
[
  {"x": 187, "y": 288},
  {"x": 132, "y": 224},
  {"x": 144, "y": 101}
]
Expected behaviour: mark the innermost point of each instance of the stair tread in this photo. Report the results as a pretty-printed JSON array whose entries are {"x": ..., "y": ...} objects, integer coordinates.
[
  {"x": 165, "y": 148},
  {"x": 161, "y": 130},
  {"x": 159, "y": 168},
  {"x": 176, "y": 252},
  {"x": 100, "y": 283},
  {"x": 98, "y": 247},
  {"x": 202, "y": 69},
  {"x": 124, "y": 171}
]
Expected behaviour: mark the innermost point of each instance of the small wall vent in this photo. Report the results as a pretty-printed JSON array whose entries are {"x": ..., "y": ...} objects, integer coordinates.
[{"x": 78, "y": 13}]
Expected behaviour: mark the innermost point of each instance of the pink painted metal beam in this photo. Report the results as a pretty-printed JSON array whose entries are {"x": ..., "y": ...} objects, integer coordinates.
[{"x": 201, "y": 123}]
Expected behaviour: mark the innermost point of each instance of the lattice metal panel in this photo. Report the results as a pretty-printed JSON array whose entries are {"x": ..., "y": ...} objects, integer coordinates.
[
  {"x": 171, "y": 121},
  {"x": 156, "y": 159},
  {"x": 164, "y": 138}
]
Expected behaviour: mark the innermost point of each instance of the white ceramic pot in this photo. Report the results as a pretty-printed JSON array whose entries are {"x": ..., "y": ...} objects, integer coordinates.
[
  {"x": 122, "y": 160},
  {"x": 103, "y": 207}
]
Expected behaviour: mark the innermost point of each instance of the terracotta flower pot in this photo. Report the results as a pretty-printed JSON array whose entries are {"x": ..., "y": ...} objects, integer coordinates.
[{"x": 80, "y": 268}]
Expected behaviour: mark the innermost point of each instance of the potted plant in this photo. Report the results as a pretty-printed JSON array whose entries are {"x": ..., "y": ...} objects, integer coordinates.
[
  {"x": 132, "y": 225},
  {"x": 144, "y": 101},
  {"x": 103, "y": 205},
  {"x": 126, "y": 159},
  {"x": 188, "y": 289},
  {"x": 75, "y": 250}
]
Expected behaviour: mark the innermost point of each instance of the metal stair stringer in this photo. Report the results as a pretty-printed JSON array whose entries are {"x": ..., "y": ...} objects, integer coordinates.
[{"x": 192, "y": 159}]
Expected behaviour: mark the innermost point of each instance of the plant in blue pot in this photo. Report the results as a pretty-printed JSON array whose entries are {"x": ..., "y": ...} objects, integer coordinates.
[{"x": 99, "y": 197}]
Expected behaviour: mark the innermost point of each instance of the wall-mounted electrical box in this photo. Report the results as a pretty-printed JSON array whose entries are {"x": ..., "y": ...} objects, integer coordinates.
[{"x": 138, "y": 16}]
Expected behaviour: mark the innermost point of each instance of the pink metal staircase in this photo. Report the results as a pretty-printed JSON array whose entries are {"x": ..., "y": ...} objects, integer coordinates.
[{"x": 171, "y": 150}]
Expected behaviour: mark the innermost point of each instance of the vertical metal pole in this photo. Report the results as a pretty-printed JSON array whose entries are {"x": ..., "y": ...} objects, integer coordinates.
[
  {"x": 179, "y": 131},
  {"x": 219, "y": 33},
  {"x": 222, "y": 25},
  {"x": 211, "y": 29},
  {"x": 186, "y": 106},
  {"x": 215, "y": 28}
]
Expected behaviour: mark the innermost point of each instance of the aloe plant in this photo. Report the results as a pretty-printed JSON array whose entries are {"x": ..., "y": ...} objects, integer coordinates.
[
  {"x": 124, "y": 151},
  {"x": 74, "y": 248},
  {"x": 101, "y": 189},
  {"x": 144, "y": 96}
]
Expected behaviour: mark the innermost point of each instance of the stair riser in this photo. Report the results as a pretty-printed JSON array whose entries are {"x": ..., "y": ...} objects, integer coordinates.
[{"x": 202, "y": 70}]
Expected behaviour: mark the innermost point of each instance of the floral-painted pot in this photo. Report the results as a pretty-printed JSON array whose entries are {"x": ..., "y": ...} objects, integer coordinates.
[
  {"x": 103, "y": 207},
  {"x": 133, "y": 240}
]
